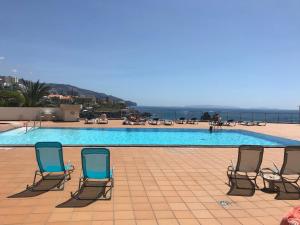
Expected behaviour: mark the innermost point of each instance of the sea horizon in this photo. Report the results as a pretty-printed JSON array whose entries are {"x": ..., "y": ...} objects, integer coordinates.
[{"x": 217, "y": 107}]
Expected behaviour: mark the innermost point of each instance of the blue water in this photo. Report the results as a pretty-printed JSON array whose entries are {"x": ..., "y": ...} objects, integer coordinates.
[{"x": 136, "y": 136}]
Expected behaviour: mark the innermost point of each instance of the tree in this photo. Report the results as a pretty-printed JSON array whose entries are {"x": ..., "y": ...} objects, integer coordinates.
[
  {"x": 11, "y": 98},
  {"x": 33, "y": 92}
]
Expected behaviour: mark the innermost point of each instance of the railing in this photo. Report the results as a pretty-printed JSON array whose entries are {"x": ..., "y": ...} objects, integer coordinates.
[
  {"x": 34, "y": 123},
  {"x": 271, "y": 117}
]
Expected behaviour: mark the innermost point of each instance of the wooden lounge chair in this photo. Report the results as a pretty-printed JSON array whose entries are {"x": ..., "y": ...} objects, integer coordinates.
[
  {"x": 127, "y": 122},
  {"x": 181, "y": 120},
  {"x": 168, "y": 122},
  {"x": 289, "y": 172},
  {"x": 142, "y": 121},
  {"x": 229, "y": 123},
  {"x": 192, "y": 121},
  {"x": 248, "y": 164},
  {"x": 260, "y": 123},
  {"x": 102, "y": 119},
  {"x": 89, "y": 119},
  {"x": 134, "y": 120},
  {"x": 154, "y": 121},
  {"x": 215, "y": 124}
]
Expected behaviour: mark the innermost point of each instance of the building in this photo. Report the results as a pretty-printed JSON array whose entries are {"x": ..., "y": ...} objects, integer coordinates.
[
  {"x": 86, "y": 100},
  {"x": 60, "y": 98},
  {"x": 2, "y": 81},
  {"x": 8, "y": 81}
]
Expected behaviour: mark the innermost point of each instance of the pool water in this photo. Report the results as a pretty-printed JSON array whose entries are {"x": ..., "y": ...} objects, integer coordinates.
[{"x": 140, "y": 137}]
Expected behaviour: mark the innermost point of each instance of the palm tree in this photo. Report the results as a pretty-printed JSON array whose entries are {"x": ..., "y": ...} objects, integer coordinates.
[{"x": 33, "y": 92}]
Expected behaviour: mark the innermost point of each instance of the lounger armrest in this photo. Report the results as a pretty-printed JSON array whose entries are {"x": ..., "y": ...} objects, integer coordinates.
[
  {"x": 232, "y": 165},
  {"x": 268, "y": 171},
  {"x": 231, "y": 168},
  {"x": 70, "y": 167},
  {"x": 112, "y": 172},
  {"x": 275, "y": 167}
]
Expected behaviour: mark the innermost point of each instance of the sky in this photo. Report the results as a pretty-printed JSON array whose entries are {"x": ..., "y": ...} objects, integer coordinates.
[{"x": 159, "y": 53}]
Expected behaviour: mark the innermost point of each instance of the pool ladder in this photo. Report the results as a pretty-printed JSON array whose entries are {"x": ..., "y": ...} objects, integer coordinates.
[{"x": 35, "y": 124}]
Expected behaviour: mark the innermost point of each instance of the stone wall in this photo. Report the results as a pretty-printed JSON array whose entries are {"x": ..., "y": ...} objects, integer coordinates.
[{"x": 63, "y": 113}]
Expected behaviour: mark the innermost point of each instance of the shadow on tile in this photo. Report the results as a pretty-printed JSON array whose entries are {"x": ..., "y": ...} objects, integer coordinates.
[
  {"x": 241, "y": 187},
  {"x": 291, "y": 194},
  {"x": 49, "y": 183},
  {"x": 90, "y": 192}
]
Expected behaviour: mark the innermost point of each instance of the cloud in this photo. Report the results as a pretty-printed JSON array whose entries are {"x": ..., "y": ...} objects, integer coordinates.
[
  {"x": 14, "y": 70},
  {"x": 2, "y": 57}
]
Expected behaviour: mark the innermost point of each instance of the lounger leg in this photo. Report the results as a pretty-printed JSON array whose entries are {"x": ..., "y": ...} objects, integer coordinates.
[
  {"x": 37, "y": 172},
  {"x": 283, "y": 182},
  {"x": 264, "y": 183},
  {"x": 110, "y": 189},
  {"x": 229, "y": 181},
  {"x": 256, "y": 183},
  {"x": 80, "y": 184},
  {"x": 61, "y": 185},
  {"x": 69, "y": 175},
  {"x": 229, "y": 175},
  {"x": 236, "y": 183},
  {"x": 70, "y": 171}
]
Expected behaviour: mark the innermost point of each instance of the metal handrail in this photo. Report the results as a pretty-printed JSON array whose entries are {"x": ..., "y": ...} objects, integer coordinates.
[
  {"x": 266, "y": 116},
  {"x": 35, "y": 124}
]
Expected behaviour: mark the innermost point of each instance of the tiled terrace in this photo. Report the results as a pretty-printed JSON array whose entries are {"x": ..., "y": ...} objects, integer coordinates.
[{"x": 153, "y": 186}]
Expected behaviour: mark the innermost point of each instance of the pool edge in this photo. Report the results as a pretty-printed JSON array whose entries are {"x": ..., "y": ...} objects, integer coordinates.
[{"x": 144, "y": 146}]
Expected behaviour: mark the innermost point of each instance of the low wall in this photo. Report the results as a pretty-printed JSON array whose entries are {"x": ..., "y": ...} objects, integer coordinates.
[{"x": 64, "y": 113}]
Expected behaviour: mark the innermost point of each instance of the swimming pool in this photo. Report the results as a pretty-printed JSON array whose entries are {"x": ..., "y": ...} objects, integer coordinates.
[{"x": 140, "y": 137}]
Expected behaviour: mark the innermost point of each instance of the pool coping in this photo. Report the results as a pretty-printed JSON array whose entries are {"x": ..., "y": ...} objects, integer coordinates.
[
  {"x": 159, "y": 145},
  {"x": 144, "y": 146}
]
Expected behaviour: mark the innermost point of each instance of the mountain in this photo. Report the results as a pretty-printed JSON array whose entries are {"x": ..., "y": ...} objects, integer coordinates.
[{"x": 70, "y": 89}]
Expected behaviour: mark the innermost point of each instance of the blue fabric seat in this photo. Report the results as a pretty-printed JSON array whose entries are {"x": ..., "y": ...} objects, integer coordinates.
[{"x": 96, "y": 163}]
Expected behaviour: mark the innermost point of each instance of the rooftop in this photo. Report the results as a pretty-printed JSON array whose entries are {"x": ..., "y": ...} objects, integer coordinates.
[{"x": 153, "y": 186}]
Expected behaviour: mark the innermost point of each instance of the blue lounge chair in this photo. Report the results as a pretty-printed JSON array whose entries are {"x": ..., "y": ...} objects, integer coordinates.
[
  {"x": 96, "y": 172},
  {"x": 49, "y": 157}
]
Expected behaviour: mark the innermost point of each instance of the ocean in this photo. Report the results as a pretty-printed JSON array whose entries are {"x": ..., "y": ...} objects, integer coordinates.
[{"x": 237, "y": 114}]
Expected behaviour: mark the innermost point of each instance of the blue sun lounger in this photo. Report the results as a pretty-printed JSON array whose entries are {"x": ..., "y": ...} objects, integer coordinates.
[
  {"x": 49, "y": 157},
  {"x": 95, "y": 169}
]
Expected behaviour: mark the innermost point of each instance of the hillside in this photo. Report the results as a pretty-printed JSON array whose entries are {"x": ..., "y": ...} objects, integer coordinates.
[{"x": 70, "y": 89}]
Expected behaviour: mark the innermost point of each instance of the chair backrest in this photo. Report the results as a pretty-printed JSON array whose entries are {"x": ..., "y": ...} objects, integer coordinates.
[
  {"x": 49, "y": 156},
  {"x": 95, "y": 163},
  {"x": 250, "y": 158},
  {"x": 291, "y": 161}
]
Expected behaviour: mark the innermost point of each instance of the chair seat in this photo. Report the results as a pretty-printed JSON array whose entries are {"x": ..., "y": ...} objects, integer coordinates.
[
  {"x": 53, "y": 169},
  {"x": 241, "y": 175},
  {"x": 99, "y": 175}
]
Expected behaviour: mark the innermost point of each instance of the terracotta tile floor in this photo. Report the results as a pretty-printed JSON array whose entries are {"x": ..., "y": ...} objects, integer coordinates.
[{"x": 153, "y": 186}]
